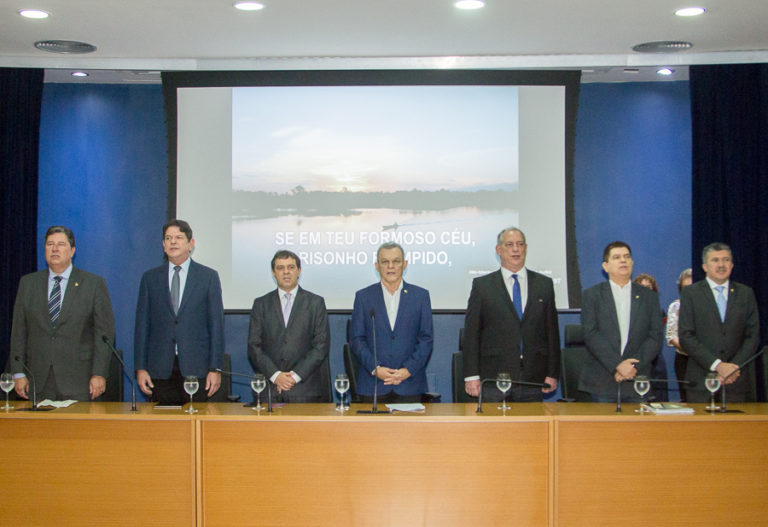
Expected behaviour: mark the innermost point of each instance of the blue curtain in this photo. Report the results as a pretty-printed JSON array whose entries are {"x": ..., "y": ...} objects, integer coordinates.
[
  {"x": 21, "y": 93},
  {"x": 729, "y": 116}
]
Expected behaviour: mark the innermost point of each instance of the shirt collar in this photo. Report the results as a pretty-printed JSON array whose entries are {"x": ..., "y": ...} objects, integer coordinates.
[
  {"x": 292, "y": 292},
  {"x": 397, "y": 291},
  {"x": 616, "y": 287},
  {"x": 184, "y": 265},
  {"x": 64, "y": 275},
  {"x": 521, "y": 274},
  {"x": 713, "y": 284}
]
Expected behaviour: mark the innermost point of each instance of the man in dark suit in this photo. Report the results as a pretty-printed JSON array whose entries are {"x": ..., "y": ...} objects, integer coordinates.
[
  {"x": 402, "y": 314},
  {"x": 60, "y": 316},
  {"x": 719, "y": 326},
  {"x": 289, "y": 338},
  {"x": 511, "y": 326},
  {"x": 622, "y": 329},
  {"x": 179, "y": 322}
]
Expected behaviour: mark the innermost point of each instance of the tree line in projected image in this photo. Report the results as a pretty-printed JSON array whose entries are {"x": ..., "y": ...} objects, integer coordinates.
[{"x": 259, "y": 204}]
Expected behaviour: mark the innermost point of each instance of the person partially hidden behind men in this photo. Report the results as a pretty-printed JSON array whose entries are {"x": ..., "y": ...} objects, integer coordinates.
[
  {"x": 719, "y": 327},
  {"x": 289, "y": 338},
  {"x": 179, "y": 323},
  {"x": 402, "y": 316},
  {"x": 60, "y": 318},
  {"x": 622, "y": 329}
]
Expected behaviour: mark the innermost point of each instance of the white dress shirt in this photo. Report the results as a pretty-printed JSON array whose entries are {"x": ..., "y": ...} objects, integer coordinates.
[
  {"x": 392, "y": 303},
  {"x": 622, "y": 297}
]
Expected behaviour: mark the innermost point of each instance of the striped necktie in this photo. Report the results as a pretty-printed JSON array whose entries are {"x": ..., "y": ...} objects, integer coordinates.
[{"x": 54, "y": 301}]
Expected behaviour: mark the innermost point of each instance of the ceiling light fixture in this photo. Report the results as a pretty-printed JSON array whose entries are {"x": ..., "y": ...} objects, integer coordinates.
[
  {"x": 665, "y": 71},
  {"x": 662, "y": 46},
  {"x": 249, "y": 6},
  {"x": 690, "y": 11},
  {"x": 65, "y": 46},
  {"x": 469, "y": 4},
  {"x": 79, "y": 74},
  {"x": 33, "y": 13}
]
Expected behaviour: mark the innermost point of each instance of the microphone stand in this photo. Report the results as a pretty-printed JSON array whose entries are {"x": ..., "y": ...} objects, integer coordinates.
[
  {"x": 125, "y": 370},
  {"x": 745, "y": 363},
  {"x": 269, "y": 388},
  {"x": 519, "y": 383},
  {"x": 34, "y": 408},
  {"x": 374, "y": 408}
]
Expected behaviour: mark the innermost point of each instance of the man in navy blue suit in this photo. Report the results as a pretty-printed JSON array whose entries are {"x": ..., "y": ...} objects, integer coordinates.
[
  {"x": 179, "y": 322},
  {"x": 402, "y": 315}
]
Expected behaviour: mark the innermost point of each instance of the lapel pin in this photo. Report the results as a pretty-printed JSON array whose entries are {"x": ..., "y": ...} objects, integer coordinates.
[
  {"x": 637, "y": 296},
  {"x": 405, "y": 291},
  {"x": 77, "y": 284}
]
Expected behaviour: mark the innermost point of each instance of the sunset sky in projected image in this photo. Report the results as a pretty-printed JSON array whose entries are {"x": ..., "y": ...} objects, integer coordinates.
[{"x": 374, "y": 138}]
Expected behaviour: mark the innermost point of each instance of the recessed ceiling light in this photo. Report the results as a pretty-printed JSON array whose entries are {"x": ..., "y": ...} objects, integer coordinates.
[
  {"x": 33, "y": 13},
  {"x": 690, "y": 11},
  {"x": 662, "y": 46},
  {"x": 469, "y": 4},
  {"x": 65, "y": 46},
  {"x": 665, "y": 71},
  {"x": 248, "y": 6},
  {"x": 79, "y": 74}
]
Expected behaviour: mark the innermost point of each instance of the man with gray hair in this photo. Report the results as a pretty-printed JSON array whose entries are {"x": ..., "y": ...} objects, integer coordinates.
[
  {"x": 719, "y": 326},
  {"x": 511, "y": 326},
  {"x": 401, "y": 314}
]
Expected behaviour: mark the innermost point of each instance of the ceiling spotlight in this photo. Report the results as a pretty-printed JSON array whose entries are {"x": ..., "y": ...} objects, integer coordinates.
[
  {"x": 33, "y": 13},
  {"x": 249, "y": 6},
  {"x": 690, "y": 11},
  {"x": 79, "y": 74},
  {"x": 665, "y": 71},
  {"x": 469, "y": 4}
]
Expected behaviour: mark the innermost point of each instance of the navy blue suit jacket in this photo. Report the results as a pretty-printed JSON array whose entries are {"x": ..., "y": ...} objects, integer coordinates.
[
  {"x": 197, "y": 329},
  {"x": 409, "y": 345}
]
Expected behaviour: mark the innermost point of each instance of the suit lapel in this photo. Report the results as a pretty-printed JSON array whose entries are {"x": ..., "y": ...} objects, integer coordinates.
[
  {"x": 502, "y": 294},
  {"x": 298, "y": 302},
  {"x": 276, "y": 306},
  {"x": 189, "y": 287},
  {"x": 402, "y": 307},
  {"x": 40, "y": 295},
  {"x": 709, "y": 299},
  {"x": 608, "y": 301}
]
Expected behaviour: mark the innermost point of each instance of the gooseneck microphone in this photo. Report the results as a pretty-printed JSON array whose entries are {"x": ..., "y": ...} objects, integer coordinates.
[
  {"x": 114, "y": 351},
  {"x": 745, "y": 363},
  {"x": 519, "y": 383},
  {"x": 34, "y": 407},
  {"x": 374, "y": 409},
  {"x": 269, "y": 387}
]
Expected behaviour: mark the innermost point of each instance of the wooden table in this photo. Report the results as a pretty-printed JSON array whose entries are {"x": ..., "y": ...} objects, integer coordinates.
[
  {"x": 97, "y": 464},
  {"x": 539, "y": 464}
]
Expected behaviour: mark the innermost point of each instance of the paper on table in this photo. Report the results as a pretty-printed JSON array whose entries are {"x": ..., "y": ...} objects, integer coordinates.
[
  {"x": 406, "y": 407},
  {"x": 57, "y": 404}
]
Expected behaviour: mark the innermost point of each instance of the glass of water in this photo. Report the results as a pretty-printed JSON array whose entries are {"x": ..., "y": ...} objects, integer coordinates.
[
  {"x": 7, "y": 383},
  {"x": 191, "y": 385},
  {"x": 642, "y": 386},
  {"x": 504, "y": 383},
  {"x": 342, "y": 386},
  {"x": 712, "y": 383},
  {"x": 258, "y": 383}
]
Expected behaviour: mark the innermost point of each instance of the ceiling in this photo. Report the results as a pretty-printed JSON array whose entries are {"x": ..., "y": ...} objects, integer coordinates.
[{"x": 136, "y": 39}]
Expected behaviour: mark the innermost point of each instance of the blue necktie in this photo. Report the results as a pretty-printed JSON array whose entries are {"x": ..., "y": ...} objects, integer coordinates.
[
  {"x": 54, "y": 301},
  {"x": 721, "y": 302},
  {"x": 517, "y": 298}
]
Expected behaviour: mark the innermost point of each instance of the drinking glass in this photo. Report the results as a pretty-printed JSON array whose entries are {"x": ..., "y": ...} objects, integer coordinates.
[
  {"x": 504, "y": 383},
  {"x": 258, "y": 383},
  {"x": 342, "y": 386},
  {"x": 642, "y": 386},
  {"x": 7, "y": 383},
  {"x": 191, "y": 385},
  {"x": 712, "y": 382}
]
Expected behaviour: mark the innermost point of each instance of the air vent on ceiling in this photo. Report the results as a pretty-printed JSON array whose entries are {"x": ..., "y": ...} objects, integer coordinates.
[
  {"x": 662, "y": 46},
  {"x": 65, "y": 46}
]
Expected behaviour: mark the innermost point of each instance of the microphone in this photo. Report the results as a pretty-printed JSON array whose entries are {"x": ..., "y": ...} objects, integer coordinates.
[
  {"x": 374, "y": 409},
  {"x": 520, "y": 383},
  {"x": 236, "y": 374},
  {"x": 34, "y": 407},
  {"x": 740, "y": 366},
  {"x": 114, "y": 351}
]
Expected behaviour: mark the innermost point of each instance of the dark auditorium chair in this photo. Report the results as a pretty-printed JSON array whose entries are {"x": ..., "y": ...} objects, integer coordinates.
[
  {"x": 224, "y": 393},
  {"x": 457, "y": 374},
  {"x": 572, "y": 358}
]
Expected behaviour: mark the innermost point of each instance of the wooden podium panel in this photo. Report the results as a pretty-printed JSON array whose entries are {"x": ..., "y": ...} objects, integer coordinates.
[
  {"x": 68, "y": 469},
  {"x": 661, "y": 470},
  {"x": 382, "y": 470}
]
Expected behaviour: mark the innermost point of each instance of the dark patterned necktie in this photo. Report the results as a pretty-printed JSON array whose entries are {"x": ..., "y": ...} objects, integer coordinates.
[{"x": 54, "y": 301}]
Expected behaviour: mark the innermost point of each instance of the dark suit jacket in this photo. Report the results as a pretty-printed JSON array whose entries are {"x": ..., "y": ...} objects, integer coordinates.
[
  {"x": 301, "y": 347},
  {"x": 74, "y": 347},
  {"x": 198, "y": 329},
  {"x": 706, "y": 338},
  {"x": 409, "y": 345},
  {"x": 603, "y": 340},
  {"x": 493, "y": 332}
]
